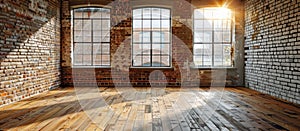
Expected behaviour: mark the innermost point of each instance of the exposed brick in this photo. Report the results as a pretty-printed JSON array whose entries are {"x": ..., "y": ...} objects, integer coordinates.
[
  {"x": 29, "y": 48},
  {"x": 280, "y": 22},
  {"x": 121, "y": 30}
]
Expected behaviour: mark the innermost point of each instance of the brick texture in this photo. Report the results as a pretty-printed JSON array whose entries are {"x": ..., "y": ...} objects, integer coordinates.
[
  {"x": 272, "y": 48},
  {"x": 29, "y": 48},
  {"x": 121, "y": 35}
]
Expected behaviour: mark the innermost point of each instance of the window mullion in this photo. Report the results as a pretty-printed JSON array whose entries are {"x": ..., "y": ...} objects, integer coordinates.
[
  {"x": 92, "y": 42},
  {"x": 151, "y": 35},
  {"x": 213, "y": 44}
]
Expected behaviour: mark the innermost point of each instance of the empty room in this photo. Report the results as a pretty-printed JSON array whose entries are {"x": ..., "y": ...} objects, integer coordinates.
[{"x": 149, "y": 65}]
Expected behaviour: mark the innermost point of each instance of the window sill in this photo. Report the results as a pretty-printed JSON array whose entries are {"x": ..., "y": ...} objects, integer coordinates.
[
  {"x": 102, "y": 67},
  {"x": 211, "y": 68},
  {"x": 154, "y": 68}
]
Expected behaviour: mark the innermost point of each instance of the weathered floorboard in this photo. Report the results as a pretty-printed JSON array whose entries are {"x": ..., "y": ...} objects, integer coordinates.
[{"x": 150, "y": 109}]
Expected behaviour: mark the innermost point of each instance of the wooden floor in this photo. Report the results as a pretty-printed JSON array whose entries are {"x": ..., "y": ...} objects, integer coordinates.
[{"x": 151, "y": 109}]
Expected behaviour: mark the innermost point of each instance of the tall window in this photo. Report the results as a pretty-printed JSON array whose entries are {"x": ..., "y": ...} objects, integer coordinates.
[
  {"x": 91, "y": 37},
  {"x": 213, "y": 37},
  {"x": 151, "y": 37}
]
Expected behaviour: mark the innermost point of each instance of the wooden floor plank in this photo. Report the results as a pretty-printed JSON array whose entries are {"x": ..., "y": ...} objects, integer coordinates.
[{"x": 151, "y": 109}]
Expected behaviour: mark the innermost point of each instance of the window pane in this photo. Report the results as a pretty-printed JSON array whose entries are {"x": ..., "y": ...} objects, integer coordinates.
[
  {"x": 156, "y": 36},
  {"x": 165, "y": 60},
  {"x": 165, "y": 49},
  {"x": 96, "y": 38},
  {"x": 97, "y": 32},
  {"x": 208, "y": 24},
  {"x": 165, "y": 24},
  {"x": 78, "y": 36},
  {"x": 136, "y": 37},
  {"x": 222, "y": 55},
  {"x": 77, "y": 25},
  {"x": 146, "y": 24},
  {"x": 207, "y": 36},
  {"x": 136, "y": 49},
  {"x": 156, "y": 24},
  {"x": 97, "y": 49},
  {"x": 198, "y": 14},
  {"x": 146, "y": 36},
  {"x": 155, "y": 13},
  {"x": 87, "y": 48},
  {"x": 156, "y": 48},
  {"x": 222, "y": 36},
  {"x": 165, "y": 37},
  {"x": 198, "y": 24},
  {"x": 96, "y": 13},
  {"x": 105, "y": 63},
  {"x": 218, "y": 56},
  {"x": 105, "y": 13},
  {"x": 87, "y": 25},
  {"x": 106, "y": 32},
  {"x": 165, "y": 13},
  {"x": 105, "y": 48},
  {"x": 146, "y": 48},
  {"x": 203, "y": 51},
  {"x": 137, "y": 13},
  {"x": 146, "y": 60},
  {"x": 226, "y": 37},
  {"x": 227, "y": 54},
  {"x": 87, "y": 59},
  {"x": 86, "y": 13},
  {"x": 137, "y": 60},
  {"x": 218, "y": 36},
  {"x": 137, "y": 24},
  {"x": 147, "y": 13},
  {"x": 198, "y": 60},
  {"x": 198, "y": 49},
  {"x": 198, "y": 36},
  {"x": 77, "y": 14},
  {"x": 226, "y": 25},
  {"x": 208, "y": 13},
  {"x": 105, "y": 58},
  {"x": 77, "y": 59},
  {"x": 97, "y": 62},
  {"x": 77, "y": 48},
  {"x": 105, "y": 36},
  {"x": 156, "y": 60},
  {"x": 105, "y": 24},
  {"x": 218, "y": 24},
  {"x": 96, "y": 35}
]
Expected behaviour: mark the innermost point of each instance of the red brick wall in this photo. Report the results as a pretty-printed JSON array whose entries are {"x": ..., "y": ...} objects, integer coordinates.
[
  {"x": 120, "y": 37},
  {"x": 29, "y": 48}
]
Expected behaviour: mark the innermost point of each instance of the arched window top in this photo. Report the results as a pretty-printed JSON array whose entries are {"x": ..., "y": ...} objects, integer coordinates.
[
  {"x": 91, "y": 12},
  {"x": 151, "y": 13},
  {"x": 213, "y": 13}
]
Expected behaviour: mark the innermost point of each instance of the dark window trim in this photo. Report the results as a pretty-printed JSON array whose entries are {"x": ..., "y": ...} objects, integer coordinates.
[
  {"x": 212, "y": 66},
  {"x": 92, "y": 43},
  {"x": 170, "y": 37}
]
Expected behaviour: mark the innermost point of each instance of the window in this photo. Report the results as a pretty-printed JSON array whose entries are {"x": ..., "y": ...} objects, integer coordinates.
[
  {"x": 151, "y": 42},
  {"x": 91, "y": 37},
  {"x": 212, "y": 37}
]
